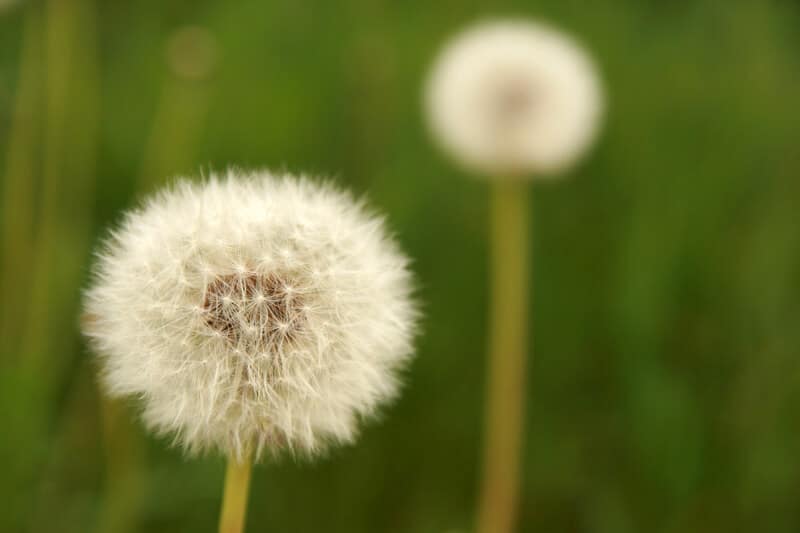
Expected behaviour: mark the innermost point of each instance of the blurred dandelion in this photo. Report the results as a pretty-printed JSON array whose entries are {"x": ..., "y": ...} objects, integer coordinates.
[
  {"x": 252, "y": 314},
  {"x": 514, "y": 100}
]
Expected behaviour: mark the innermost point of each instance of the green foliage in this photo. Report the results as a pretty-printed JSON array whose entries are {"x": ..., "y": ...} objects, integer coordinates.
[{"x": 666, "y": 289}]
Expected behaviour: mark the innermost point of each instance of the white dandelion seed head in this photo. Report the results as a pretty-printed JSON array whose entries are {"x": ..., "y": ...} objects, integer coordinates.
[
  {"x": 514, "y": 98},
  {"x": 252, "y": 313}
]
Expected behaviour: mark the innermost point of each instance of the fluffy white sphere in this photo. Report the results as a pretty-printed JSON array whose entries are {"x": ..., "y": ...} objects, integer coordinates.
[
  {"x": 514, "y": 98},
  {"x": 252, "y": 313}
]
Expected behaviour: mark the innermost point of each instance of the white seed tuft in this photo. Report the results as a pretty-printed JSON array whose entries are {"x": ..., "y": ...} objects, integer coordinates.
[
  {"x": 232, "y": 352},
  {"x": 514, "y": 98}
]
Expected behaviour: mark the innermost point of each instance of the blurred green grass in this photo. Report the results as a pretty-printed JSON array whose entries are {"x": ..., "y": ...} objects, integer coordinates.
[{"x": 665, "y": 384}]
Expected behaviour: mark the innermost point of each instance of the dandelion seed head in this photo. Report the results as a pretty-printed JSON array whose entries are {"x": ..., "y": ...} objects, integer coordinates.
[
  {"x": 233, "y": 353},
  {"x": 514, "y": 98}
]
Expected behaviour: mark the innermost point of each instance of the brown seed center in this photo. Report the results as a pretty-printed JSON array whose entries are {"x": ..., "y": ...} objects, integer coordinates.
[
  {"x": 513, "y": 98},
  {"x": 258, "y": 310}
]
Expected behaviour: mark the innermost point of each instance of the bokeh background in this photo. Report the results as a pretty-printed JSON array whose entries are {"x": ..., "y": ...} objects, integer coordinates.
[{"x": 665, "y": 373}]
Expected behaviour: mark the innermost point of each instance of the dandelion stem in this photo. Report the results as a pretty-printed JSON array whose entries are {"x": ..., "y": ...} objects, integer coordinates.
[
  {"x": 234, "y": 498},
  {"x": 510, "y": 207}
]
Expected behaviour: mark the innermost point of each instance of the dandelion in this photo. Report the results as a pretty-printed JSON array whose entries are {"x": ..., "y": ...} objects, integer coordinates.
[
  {"x": 514, "y": 100},
  {"x": 252, "y": 315}
]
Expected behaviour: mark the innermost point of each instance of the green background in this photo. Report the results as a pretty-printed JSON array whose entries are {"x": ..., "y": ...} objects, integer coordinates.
[{"x": 664, "y": 379}]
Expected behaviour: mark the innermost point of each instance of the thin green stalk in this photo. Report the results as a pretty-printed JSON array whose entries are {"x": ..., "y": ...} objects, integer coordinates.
[
  {"x": 508, "y": 344},
  {"x": 177, "y": 125},
  {"x": 70, "y": 118},
  {"x": 234, "y": 498},
  {"x": 18, "y": 189},
  {"x": 125, "y": 476},
  {"x": 59, "y": 39}
]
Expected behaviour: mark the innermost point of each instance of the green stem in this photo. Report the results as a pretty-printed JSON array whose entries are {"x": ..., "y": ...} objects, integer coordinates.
[
  {"x": 234, "y": 498},
  {"x": 125, "y": 474},
  {"x": 18, "y": 187},
  {"x": 510, "y": 212},
  {"x": 177, "y": 128},
  {"x": 59, "y": 40}
]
